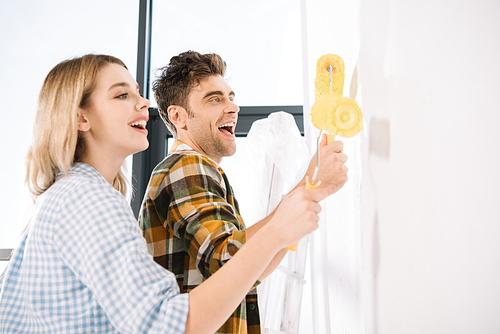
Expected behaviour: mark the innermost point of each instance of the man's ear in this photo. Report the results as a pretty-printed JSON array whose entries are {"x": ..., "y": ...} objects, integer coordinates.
[
  {"x": 82, "y": 121},
  {"x": 177, "y": 116}
]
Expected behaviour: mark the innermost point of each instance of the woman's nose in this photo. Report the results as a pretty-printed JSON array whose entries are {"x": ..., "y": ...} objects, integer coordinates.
[{"x": 143, "y": 103}]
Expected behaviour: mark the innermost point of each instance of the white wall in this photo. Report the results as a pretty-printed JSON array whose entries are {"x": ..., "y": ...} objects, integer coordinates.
[{"x": 429, "y": 74}]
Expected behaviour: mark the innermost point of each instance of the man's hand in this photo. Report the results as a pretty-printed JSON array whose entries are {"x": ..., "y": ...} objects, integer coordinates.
[{"x": 332, "y": 171}]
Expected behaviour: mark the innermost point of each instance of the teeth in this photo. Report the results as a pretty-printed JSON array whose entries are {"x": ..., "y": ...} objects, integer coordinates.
[
  {"x": 141, "y": 123},
  {"x": 226, "y": 125}
]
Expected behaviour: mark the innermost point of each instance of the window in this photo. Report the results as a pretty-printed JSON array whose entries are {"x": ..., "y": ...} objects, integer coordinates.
[
  {"x": 57, "y": 30},
  {"x": 264, "y": 61}
]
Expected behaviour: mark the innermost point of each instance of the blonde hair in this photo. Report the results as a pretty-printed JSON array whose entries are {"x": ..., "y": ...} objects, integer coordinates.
[{"x": 56, "y": 143}]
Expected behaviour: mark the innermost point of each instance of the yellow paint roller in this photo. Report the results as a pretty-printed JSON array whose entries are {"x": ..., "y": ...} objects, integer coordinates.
[
  {"x": 331, "y": 113},
  {"x": 330, "y": 74},
  {"x": 337, "y": 115}
]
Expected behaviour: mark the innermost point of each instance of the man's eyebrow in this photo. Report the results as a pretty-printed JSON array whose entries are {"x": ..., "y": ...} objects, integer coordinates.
[
  {"x": 218, "y": 92},
  {"x": 121, "y": 84}
]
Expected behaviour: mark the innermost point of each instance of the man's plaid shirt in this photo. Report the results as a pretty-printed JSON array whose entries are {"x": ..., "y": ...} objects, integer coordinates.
[{"x": 192, "y": 225}]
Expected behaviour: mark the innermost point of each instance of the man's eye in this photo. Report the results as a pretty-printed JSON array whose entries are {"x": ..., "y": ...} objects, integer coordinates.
[{"x": 215, "y": 99}]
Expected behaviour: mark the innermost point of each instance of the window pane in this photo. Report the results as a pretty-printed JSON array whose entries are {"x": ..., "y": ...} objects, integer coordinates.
[
  {"x": 259, "y": 40},
  {"x": 36, "y": 35},
  {"x": 236, "y": 171}
]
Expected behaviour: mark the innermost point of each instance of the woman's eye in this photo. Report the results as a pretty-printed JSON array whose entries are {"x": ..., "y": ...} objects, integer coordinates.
[{"x": 122, "y": 96}]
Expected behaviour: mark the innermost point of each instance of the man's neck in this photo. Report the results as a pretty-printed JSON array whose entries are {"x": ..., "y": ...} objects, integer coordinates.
[
  {"x": 180, "y": 142},
  {"x": 186, "y": 140}
]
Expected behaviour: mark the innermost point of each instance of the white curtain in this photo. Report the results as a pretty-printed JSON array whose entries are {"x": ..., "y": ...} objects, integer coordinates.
[{"x": 276, "y": 159}]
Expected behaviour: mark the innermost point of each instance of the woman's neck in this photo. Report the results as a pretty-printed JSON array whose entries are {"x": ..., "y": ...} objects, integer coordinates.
[{"x": 106, "y": 168}]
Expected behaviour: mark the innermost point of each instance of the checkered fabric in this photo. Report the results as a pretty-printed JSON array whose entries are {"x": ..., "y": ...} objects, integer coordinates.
[
  {"x": 83, "y": 267},
  {"x": 192, "y": 226}
]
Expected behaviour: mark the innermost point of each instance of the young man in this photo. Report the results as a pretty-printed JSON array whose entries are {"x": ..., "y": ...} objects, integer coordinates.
[{"x": 189, "y": 217}]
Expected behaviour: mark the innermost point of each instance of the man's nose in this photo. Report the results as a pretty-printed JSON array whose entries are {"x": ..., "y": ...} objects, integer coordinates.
[{"x": 232, "y": 108}]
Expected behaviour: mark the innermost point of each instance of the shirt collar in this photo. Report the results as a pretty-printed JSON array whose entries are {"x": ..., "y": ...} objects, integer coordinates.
[{"x": 180, "y": 147}]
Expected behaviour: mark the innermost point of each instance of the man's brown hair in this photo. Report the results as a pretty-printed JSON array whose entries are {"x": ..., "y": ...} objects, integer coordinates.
[{"x": 178, "y": 78}]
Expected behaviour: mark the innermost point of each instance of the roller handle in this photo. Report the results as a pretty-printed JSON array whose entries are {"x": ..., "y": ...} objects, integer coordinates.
[
  {"x": 309, "y": 185},
  {"x": 330, "y": 139}
]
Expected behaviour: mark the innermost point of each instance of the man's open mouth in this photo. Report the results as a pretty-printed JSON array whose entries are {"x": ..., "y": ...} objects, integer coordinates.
[{"x": 228, "y": 127}]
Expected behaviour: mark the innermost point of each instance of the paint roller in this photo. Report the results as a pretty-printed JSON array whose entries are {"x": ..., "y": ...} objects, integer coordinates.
[{"x": 331, "y": 113}]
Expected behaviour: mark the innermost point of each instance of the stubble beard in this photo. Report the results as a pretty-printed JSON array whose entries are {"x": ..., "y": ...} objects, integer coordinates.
[
  {"x": 222, "y": 149},
  {"x": 214, "y": 145}
]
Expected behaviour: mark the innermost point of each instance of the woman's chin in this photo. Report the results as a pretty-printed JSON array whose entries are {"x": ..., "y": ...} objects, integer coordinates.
[{"x": 143, "y": 147}]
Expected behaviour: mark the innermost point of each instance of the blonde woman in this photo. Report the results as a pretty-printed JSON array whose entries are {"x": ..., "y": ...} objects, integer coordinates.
[{"x": 82, "y": 265}]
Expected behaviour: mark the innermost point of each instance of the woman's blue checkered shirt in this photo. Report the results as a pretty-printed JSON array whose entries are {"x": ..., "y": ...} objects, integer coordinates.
[{"x": 83, "y": 267}]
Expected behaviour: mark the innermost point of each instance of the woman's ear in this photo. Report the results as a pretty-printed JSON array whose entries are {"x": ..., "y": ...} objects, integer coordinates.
[
  {"x": 82, "y": 121},
  {"x": 177, "y": 116}
]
